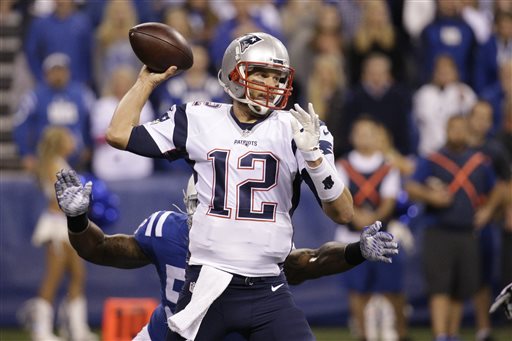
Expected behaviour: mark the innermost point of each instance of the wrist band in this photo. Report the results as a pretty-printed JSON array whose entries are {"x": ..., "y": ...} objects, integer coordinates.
[
  {"x": 353, "y": 255},
  {"x": 78, "y": 224},
  {"x": 311, "y": 155},
  {"x": 327, "y": 183}
]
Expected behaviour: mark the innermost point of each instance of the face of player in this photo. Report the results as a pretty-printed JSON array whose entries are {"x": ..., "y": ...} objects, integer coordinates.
[
  {"x": 480, "y": 119},
  {"x": 261, "y": 79}
]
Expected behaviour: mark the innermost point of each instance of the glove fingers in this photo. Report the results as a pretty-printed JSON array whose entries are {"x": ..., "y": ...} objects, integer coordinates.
[
  {"x": 302, "y": 115},
  {"x": 295, "y": 125},
  {"x": 389, "y": 252},
  {"x": 314, "y": 117},
  {"x": 74, "y": 178},
  {"x": 384, "y": 236},
  {"x": 373, "y": 228},
  {"x": 88, "y": 188},
  {"x": 385, "y": 259}
]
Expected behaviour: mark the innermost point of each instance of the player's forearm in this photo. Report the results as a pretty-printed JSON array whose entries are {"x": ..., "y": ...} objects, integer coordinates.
[
  {"x": 305, "y": 264},
  {"x": 127, "y": 115},
  {"x": 341, "y": 210},
  {"x": 120, "y": 251}
]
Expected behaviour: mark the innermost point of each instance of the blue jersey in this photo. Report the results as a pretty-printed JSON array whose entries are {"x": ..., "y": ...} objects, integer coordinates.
[{"x": 163, "y": 237}]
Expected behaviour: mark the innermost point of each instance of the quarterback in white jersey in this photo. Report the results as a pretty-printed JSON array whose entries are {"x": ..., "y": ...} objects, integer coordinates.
[{"x": 249, "y": 159}]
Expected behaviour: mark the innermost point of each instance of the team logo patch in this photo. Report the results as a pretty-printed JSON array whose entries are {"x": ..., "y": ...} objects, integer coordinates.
[
  {"x": 248, "y": 41},
  {"x": 328, "y": 183}
]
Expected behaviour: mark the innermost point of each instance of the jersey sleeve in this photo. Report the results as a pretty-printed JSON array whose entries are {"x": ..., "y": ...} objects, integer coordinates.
[{"x": 168, "y": 133}]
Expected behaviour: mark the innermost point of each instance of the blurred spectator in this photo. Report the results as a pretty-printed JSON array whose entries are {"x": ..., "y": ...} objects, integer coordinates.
[
  {"x": 505, "y": 137},
  {"x": 244, "y": 21},
  {"x": 298, "y": 16},
  {"x": 448, "y": 34},
  {"x": 451, "y": 183},
  {"x": 434, "y": 103},
  {"x": 417, "y": 15},
  {"x": 109, "y": 163},
  {"x": 146, "y": 10},
  {"x": 194, "y": 85},
  {"x": 66, "y": 31},
  {"x": 392, "y": 156},
  {"x": 51, "y": 231},
  {"x": 380, "y": 97},
  {"x": 351, "y": 13},
  {"x": 56, "y": 101},
  {"x": 324, "y": 37},
  {"x": 324, "y": 82},
  {"x": 480, "y": 123},
  {"x": 499, "y": 94},
  {"x": 202, "y": 19},
  {"x": 494, "y": 53},
  {"x": 502, "y": 6},
  {"x": 478, "y": 18},
  {"x": 177, "y": 17},
  {"x": 374, "y": 185},
  {"x": 113, "y": 45},
  {"x": 375, "y": 33}
]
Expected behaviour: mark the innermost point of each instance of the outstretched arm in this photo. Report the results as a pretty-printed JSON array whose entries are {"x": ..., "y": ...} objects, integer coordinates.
[
  {"x": 334, "y": 257},
  {"x": 120, "y": 251}
]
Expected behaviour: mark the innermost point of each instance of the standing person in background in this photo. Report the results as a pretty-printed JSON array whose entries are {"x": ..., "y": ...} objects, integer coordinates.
[
  {"x": 67, "y": 31},
  {"x": 435, "y": 102},
  {"x": 249, "y": 159},
  {"x": 113, "y": 47},
  {"x": 452, "y": 183},
  {"x": 380, "y": 97},
  {"x": 55, "y": 147},
  {"x": 109, "y": 163},
  {"x": 480, "y": 124},
  {"x": 375, "y": 186},
  {"x": 450, "y": 35},
  {"x": 56, "y": 101}
]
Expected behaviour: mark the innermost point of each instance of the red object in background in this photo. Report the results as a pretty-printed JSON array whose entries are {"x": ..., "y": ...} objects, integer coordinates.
[{"x": 123, "y": 318}]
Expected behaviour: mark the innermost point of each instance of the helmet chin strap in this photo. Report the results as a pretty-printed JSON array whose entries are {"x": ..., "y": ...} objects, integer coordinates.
[{"x": 258, "y": 109}]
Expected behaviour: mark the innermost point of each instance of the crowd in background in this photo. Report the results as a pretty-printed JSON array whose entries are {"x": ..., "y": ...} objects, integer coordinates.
[{"x": 408, "y": 66}]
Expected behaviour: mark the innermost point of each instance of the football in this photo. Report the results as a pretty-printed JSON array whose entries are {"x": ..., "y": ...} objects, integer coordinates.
[{"x": 160, "y": 46}]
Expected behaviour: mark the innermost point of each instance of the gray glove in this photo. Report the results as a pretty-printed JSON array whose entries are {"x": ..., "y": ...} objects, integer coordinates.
[
  {"x": 72, "y": 196},
  {"x": 377, "y": 245},
  {"x": 504, "y": 299}
]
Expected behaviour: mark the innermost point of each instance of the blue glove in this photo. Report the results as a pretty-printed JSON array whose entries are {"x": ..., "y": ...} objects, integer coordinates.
[
  {"x": 72, "y": 196},
  {"x": 377, "y": 245}
]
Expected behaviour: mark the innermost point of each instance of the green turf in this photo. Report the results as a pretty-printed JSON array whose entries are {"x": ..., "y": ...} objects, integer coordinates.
[{"x": 322, "y": 334}]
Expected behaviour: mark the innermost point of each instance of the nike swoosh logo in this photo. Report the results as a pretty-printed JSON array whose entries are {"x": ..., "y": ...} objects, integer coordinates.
[
  {"x": 326, "y": 132},
  {"x": 274, "y": 288}
]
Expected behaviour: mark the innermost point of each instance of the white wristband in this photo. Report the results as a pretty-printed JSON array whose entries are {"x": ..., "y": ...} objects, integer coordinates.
[
  {"x": 311, "y": 155},
  {"x": 327, "y": 183}
]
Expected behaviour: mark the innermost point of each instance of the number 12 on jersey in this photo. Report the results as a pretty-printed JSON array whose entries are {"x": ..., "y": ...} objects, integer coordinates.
[{"x": 247, "y": 189}]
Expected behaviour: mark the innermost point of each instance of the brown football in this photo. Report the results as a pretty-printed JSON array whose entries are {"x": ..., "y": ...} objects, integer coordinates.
[{"x": 159, "y": 46}]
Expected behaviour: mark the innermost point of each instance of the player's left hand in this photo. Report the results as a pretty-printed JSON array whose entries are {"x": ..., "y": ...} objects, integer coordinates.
[
  {"x": 72, "y": 196},
  {"x": 377, "y": 245},
  {"x": 504, "y": 299},
  {"x": 306, "y": 139}
]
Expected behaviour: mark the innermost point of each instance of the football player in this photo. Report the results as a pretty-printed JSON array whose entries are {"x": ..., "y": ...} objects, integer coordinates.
[
  {"x": 249, "y": 159},
  {"x": 162, "y": 240}
]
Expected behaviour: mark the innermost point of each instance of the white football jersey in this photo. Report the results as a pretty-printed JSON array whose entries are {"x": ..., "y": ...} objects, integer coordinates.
[{"x": 248, "y": 182}]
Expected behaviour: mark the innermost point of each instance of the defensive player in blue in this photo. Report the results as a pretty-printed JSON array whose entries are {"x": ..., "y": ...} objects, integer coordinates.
[{"x": 162, "y": 240}]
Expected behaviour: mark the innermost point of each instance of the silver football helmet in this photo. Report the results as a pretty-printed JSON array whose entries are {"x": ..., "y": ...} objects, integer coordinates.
[{"x": 244, "y": 54}]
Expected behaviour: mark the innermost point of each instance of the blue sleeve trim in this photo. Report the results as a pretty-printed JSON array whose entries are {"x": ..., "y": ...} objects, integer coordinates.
[{"x": 141, "y": 143}]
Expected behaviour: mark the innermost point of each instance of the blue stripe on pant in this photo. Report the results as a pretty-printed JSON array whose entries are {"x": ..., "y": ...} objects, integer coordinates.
[{"x": 258, "y": 308}]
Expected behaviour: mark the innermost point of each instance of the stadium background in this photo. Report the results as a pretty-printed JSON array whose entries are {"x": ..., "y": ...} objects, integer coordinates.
[{"x": 21, "y": 264}]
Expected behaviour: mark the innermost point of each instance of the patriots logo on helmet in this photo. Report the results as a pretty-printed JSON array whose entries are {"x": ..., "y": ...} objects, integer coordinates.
[{"x": 247, "y": 41}]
